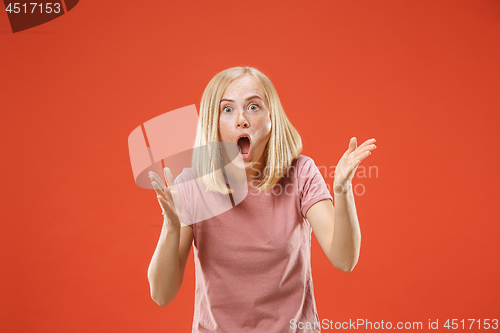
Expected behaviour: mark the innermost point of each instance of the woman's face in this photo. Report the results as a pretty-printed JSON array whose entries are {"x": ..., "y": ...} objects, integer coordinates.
[{"x": 244, "y": 111}]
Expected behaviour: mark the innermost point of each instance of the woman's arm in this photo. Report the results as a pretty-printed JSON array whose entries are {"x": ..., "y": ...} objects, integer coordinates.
[
  {"x": 337, "y": 228},
  {"x": 166, "y": 270}
]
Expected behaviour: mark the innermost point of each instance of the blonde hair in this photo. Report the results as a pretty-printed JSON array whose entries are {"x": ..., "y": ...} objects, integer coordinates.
[{"x": 283, "y": 147}]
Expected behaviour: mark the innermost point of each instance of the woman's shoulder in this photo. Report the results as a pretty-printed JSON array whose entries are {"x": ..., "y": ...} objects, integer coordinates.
[
  {"x": 301, "y": 162},
  {"x": 302, "y": 159},
  {"x": 303, "y": 169},
  {"x": 189, "y": 180},
  {"x": 298, "y": 166},
  {"x": 186, "y": 175}
]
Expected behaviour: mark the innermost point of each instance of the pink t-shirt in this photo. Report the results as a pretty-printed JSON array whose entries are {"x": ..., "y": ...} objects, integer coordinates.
[{"x": 252, "y": 262}]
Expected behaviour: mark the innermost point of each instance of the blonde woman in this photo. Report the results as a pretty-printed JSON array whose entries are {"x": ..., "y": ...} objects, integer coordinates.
[{"x": 252, "y": 262}]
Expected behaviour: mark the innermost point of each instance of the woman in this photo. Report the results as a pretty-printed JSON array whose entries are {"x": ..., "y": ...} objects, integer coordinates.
[{"x": 252, "y": 262}]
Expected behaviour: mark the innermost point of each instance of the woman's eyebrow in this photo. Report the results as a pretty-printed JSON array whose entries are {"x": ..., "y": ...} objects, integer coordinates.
[{"x": 246, "y": 99}]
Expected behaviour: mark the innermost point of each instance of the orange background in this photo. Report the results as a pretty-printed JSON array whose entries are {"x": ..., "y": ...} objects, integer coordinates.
[{"x": 422, "y": 77}]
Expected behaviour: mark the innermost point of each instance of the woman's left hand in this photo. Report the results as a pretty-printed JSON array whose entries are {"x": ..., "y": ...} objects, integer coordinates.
[{"x": 346, "y": 168}]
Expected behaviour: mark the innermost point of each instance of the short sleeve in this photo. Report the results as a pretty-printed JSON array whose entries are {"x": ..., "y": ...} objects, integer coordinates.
[
  {"x": 312, "y": 186},
  {"x": 183, "y": 186}
]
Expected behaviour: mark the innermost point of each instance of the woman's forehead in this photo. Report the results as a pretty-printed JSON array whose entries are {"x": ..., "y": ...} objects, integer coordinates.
[
  {"x": 243, "y": 84},
  {"x": 245, "y": 87}
]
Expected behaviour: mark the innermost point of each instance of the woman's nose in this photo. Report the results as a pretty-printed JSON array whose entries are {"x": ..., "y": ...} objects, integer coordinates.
[{"x": 241, "y": 120}]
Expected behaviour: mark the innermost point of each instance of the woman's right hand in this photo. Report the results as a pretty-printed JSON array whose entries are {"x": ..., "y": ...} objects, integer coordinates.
[{"x": 168, "y": 198}]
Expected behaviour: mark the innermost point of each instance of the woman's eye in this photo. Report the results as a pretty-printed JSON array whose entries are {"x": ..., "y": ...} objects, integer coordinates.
[
  {"x": 226, "y": 109},
  {"x": 254, "y": 107}
]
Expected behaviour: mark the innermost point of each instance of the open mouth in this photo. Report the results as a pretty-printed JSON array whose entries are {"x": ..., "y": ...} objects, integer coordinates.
[{"x": 244, "y": 146}]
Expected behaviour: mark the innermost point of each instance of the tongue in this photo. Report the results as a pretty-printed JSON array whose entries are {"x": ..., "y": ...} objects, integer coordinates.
[{"x": 244, "y": 145}]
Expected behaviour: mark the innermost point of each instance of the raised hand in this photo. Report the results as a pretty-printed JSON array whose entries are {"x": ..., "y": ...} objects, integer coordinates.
[
  {"x": 349, "y": 162},
  {"x": 168, "y": 198}
]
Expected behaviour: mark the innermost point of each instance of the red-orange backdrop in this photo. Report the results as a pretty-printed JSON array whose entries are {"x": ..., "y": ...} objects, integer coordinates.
[{"x": 422, "y": 77}]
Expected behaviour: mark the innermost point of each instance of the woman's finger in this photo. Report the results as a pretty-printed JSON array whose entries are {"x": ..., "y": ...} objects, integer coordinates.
[
  {"x": 157, "y": 189},
  {"x": 153, "y": 175},
  {"x": 159, "y": 184},
  {"x": 172, "y": 190},
  {"x": 366, "y": 143},
  {"x": 165, "y": 194},
  {"x": 168, "y": 177},
  {"x": 362, "y": 156},
  {"x": 170, "y": 182},
  {"x": 159, "y": 181},
  {"x": 168, "y": 194},
  {"x": 352, "y": 144},
  {"x": 165, "y": 202},
  {"x": 360, "y": 152}
]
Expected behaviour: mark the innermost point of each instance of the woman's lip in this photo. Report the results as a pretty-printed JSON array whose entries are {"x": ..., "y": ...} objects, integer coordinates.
[
  {"x": 245, "y": 156},
  {"x": 244, "y": 134}
]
